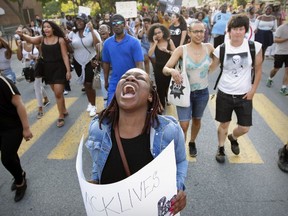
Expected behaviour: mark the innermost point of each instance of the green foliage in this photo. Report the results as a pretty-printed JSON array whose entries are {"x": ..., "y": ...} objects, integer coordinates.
[{"x": 51, "y": 9}]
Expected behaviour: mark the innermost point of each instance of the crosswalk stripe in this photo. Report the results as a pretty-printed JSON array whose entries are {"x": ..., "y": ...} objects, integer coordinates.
[
  {"x": 274, "y": 117},
  {"x": 68, "y": 145},
  {"x": 248, "y": 152},
  {"x": 171, "y": 110},
  {"x": 41, "y": 125},
  {"x": 31, "y": 106}
]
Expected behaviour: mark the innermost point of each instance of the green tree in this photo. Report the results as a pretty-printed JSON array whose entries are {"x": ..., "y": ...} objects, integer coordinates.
[{"x": 51, "y": 8}]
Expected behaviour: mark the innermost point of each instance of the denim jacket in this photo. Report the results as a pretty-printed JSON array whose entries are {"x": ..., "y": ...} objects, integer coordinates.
[{"x": 99, "y": 145}]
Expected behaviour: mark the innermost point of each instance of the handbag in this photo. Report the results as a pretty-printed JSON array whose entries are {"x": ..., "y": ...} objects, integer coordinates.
[
  {"x": 179, "y": 94},
  {"x": 29, "y": 73},
  {"x": 39, "y": 67}
]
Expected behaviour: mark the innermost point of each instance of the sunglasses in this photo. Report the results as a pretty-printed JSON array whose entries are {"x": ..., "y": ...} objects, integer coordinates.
[{"x": 117, "y": 23}]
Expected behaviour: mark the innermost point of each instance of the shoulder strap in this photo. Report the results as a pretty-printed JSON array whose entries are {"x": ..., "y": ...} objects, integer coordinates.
[
  {"x": 121, "y": 150},
  {"x": 184, "y": 58},
  {"x": 221, "y": 59},
  {"x": 252, "y": 53}
]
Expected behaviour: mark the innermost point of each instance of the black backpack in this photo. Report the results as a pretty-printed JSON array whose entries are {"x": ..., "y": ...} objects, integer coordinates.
[{"x": 221, "y": 59}]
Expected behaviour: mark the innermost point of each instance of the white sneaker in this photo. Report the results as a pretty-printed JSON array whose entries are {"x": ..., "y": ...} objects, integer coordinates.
[
  {"x": 92, "y": 111},
  {"x": 65, "y": 92},
  {"x": 89, "y": 107}
]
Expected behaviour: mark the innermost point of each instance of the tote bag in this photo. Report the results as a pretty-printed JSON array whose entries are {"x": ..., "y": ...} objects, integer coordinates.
[{"x": 179, "y": 94}]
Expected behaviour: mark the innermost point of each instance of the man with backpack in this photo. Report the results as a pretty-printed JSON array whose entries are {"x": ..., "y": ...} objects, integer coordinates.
[{"x": 241, "y": 68}]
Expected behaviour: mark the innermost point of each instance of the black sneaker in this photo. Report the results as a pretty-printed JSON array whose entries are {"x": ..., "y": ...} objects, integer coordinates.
[
  {"x": 20, "y": 191},
  {"x": 283, "y": 159},
  {"x": 192, "y": 149},
  {"x": 13, "y": 186},
  {"x": 220, "y": 156},
  {"x": 234, "y": 145}
]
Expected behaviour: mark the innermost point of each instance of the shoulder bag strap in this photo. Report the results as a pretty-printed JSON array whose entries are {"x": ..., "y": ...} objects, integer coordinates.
[
  {"x": 221, "y": 58},
  {"x": 184, "y": 58},
  {"x": 122, "y": 153},
  {"x": 252, "y": 53}
]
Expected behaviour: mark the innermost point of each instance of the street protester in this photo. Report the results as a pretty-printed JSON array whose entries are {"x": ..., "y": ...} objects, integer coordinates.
[
  {"x": 56, "y": 62},
  {"x": 162, "y": 47},
  {"x": 5, "y": 60},
  {"x": 28, "y": 54},
  {"x": 237, "y": 85},
  {"x": 198, "y": 60},
  {"x": 121, "y": 51},
  {"x": 83, "y": 43},
  {"x": 14, "y": 126},
  {"x": 133, "y": 119}
]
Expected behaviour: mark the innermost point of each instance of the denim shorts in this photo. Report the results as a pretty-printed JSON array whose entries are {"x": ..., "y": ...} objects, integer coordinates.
[
  {"x": 198, "y": 102},
  {"x": 226, "y": 104}
]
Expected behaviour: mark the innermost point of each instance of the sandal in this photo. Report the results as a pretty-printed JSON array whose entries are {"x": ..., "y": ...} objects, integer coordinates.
[
  {"x": 60, "y": 122},
  {"x": 65, "y": 114}
]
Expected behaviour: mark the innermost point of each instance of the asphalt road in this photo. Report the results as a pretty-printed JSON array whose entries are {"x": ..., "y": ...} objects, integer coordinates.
[{"x": 248, "y": 184}]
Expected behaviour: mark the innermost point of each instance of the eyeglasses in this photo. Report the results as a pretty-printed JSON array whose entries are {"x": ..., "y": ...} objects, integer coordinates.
[
  {"x": 197, "y": 31},
  {"x": 117, "y": 23}
]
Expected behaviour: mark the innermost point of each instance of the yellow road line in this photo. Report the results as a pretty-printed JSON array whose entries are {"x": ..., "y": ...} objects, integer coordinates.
[
  {"x": 248, "y": 152},
  {"x": 41, "y": 126},
  {"x": 31, "y": 106},
  {"x": 68, "y": 145},
  {"x": 274, "y": 117},
  {"x": 171, "y": 110}
]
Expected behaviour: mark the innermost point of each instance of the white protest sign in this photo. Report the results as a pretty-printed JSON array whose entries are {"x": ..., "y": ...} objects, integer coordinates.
[
  {"x": 127, "y": 9},
  {"x": 147, "y": 192},
  {"x": 84, "y": 10}
]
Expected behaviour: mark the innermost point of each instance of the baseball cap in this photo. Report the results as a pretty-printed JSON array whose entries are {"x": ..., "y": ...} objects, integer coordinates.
[
  {"x": 117, "y": 17},
  {"x": 82, "y": 16}
]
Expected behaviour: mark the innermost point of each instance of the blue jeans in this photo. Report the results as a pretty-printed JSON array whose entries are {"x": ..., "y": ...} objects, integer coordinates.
[
  {"x": 198, "y": 102},
  {"x": 8, "y": 73}
]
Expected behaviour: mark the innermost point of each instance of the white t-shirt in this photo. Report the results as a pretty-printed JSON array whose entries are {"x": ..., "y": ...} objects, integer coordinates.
[
  {"x": 282, "y": 32},
  {"x": 83, "y": 48},
  {"x": 237, "y": 65}
]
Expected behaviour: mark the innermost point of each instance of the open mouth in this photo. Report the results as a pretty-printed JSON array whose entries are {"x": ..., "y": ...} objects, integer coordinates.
[{"x": 128, "y": 91}]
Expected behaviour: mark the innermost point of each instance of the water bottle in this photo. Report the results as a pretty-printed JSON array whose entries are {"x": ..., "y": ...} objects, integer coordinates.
[
  {"x": 86, "y": 31},
  {"x": 31, "y": 64}
]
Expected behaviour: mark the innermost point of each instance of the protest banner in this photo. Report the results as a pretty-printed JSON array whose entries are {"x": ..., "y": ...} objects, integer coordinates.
[
  {"x": 147, "y": 192},
  {"x": 172, "y": 6},
  {"x": 127, "y": 9},
  {"x": 84, "y": 10}
]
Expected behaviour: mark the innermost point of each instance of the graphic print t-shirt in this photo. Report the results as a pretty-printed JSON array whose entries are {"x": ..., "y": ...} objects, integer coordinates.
[{"x": 236, "y": 77}]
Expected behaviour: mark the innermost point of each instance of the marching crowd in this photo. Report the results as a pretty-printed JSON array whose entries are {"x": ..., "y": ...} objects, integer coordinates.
[{"x": 123, "y": 50}]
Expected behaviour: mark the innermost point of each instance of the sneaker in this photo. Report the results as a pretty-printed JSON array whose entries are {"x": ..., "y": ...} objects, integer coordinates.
[
  {"x": 269, "y": 83},
  {"x": 40, "y": 115},
  {"x": 65, "y": 92},
  {"x": 192, "y": 149},
  {"x": 92, "y": 111},
  {"x": 234, "y": 145},
  {"x": 220, "y": 156},
  {"x": 89, "y": 107},
  {"x": 46, "y": 103},
  {"x": 20, "y": 191},
  {"x": 283, "y": 159},
  {"x": 284, "y": 91}
]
